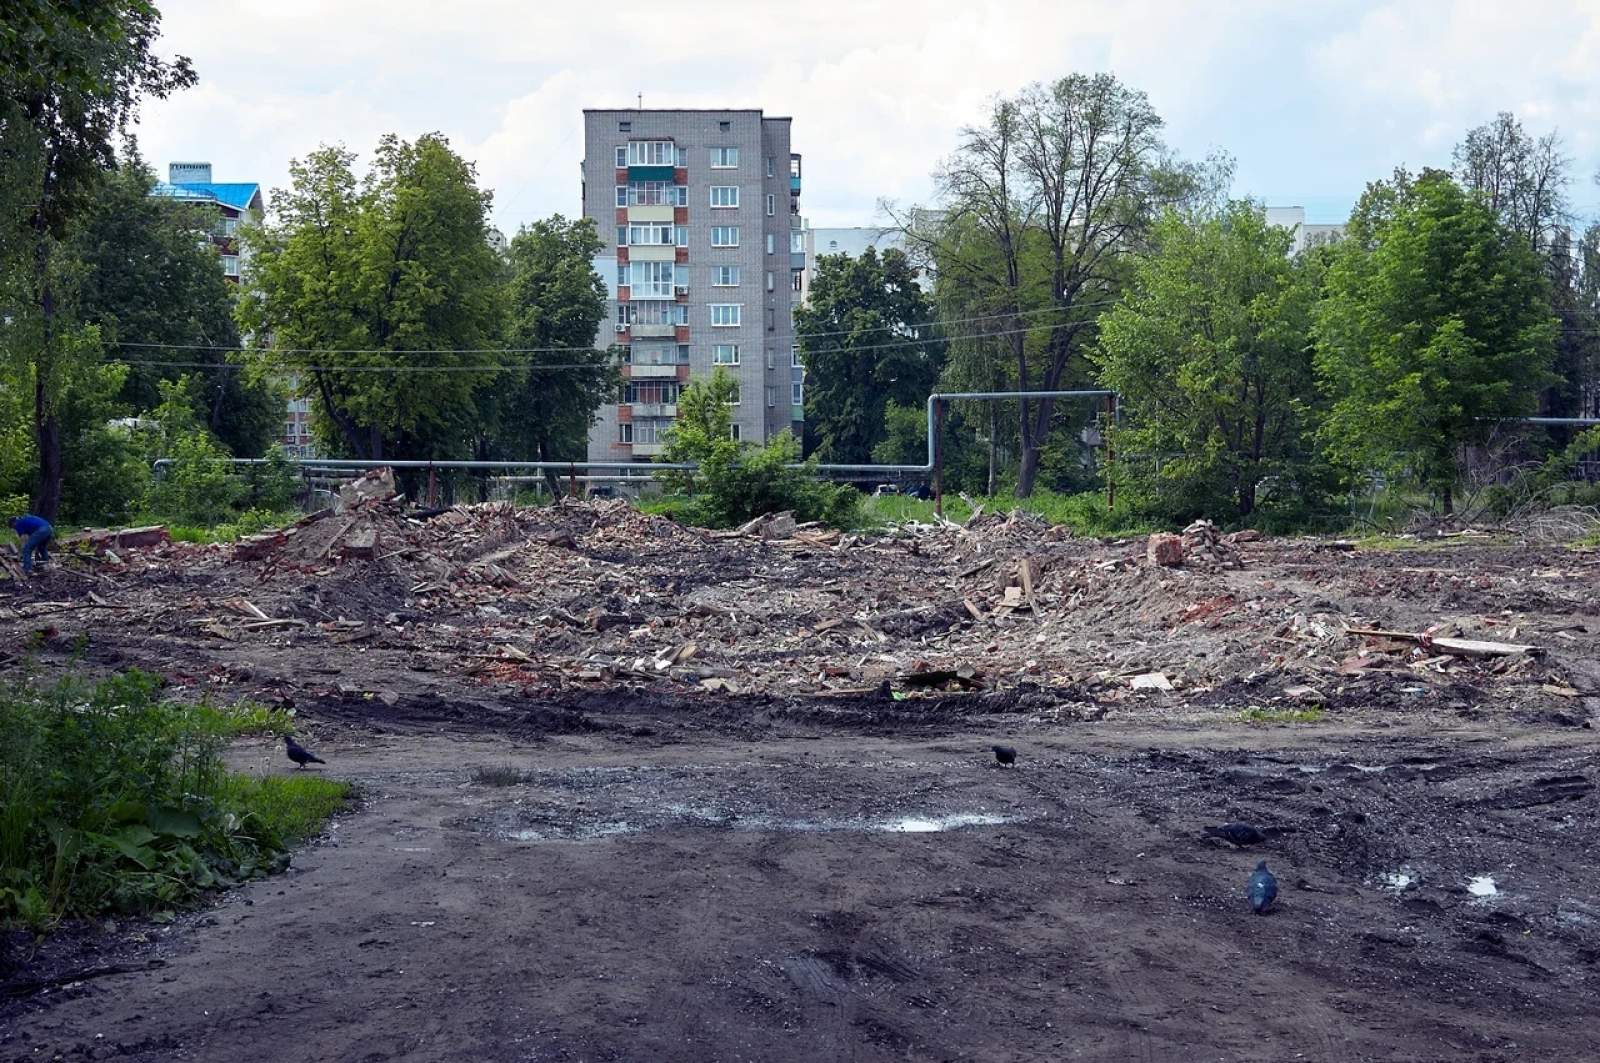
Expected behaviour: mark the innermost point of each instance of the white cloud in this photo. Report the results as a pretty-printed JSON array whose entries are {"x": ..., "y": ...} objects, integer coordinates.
[{"x": 1313, "y": 100}]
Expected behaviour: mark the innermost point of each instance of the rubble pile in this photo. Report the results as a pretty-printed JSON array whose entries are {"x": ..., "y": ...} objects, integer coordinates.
[{"x": 586, "y": 594}]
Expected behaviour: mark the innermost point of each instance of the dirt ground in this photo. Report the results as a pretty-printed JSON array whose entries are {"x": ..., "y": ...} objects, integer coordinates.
[{"x": 813, "y": 855}]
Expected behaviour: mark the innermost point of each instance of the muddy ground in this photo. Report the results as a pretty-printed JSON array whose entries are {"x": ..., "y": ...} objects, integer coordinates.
[{"x": 840, "y": 871}]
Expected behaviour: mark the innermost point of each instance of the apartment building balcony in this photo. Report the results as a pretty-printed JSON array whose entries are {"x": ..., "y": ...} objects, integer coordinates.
[
  {"x": 645, "y": 212},
  {"x": 649, "y": 450},
  {"x": 649, "y": 253},
  {"x": 650, "y": 331},
  {"x": 655, "y": 409},
  {"x": 652, "y": 173},
  {"x": 652, "y": 372}
]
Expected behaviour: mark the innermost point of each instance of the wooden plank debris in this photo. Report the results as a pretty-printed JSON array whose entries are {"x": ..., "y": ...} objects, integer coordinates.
[{"x": 1454, "y": 646}]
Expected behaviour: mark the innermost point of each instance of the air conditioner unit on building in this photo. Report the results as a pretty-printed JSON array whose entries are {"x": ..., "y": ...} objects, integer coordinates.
[
  {"x": 622, "y": 328},
  {"x": 681, "y": 289}
]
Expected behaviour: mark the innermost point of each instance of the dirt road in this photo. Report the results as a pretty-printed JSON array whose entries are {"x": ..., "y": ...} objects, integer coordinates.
[{"x": 829, "y": 895}]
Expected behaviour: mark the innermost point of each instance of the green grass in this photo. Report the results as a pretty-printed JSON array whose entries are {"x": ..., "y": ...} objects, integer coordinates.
[
  {"x": 499, "y": 775},
  {"x": 249, "y": 523},
  {"x": 1258, "y": 715},
  {"x": 244, "y": 718},
  {"x": 292, "y": 807},
  {"x": 1084, "y": 513},
  {"x": 115, "y": 799}
]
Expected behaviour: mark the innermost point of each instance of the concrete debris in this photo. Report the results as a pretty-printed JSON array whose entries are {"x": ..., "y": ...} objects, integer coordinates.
[
  {"x": 1151, "y": 681},
  {"x": 1164, "y": 549},
  {"x": 371, "y": 486}
]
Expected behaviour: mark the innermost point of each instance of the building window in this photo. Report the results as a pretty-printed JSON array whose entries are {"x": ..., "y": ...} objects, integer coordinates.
[
  {"x": 769, "y": 165},
  {"x": 772, "y": 204},
  {"x": 724, "y": 158},
  {"x": 622, "y": 195},
  {"x": 794, "y": 357},
  {"x": 625, "y": 354},
  {"x": 650, "y": 280},
  {"x": 624, "y": 127},
  {"x": 724, "y": 236},
  {"x": 230, "y": 265},
  {"x": 625, "y": 432},
  {"x": 683, "y": 196},
  {"x": 796, "y": 279},
  {"x": 726, "y": 315},
  {"x": 622, "y": 155},
  {"x": 770, "y": 243},
  {"x": 725, "y": 354},
  {"x": 624, "y": 315},
  {"x": 724, "y": 126},
  {"x": 738, "y": 392},
  {"x": 653, "y": 194},
  {"x": 769, "y": 280},
  {"x": 652, "y": 234},
  {"x": 733, "y": 432},
  {"x": 622, "y": 236},
  {"x": 622, "y": 274},
  {"x": 682, "y": 158},
  {"x": 724, "y": 195},
  {"x": 683, "y": 352},
  {"x": 798, "y": 393},
  {"x": 680, "y": 235},
  {"x": 772, "y": 319},
  {"x": 652, "y": 153},
  {"x": 772, "y": 397},
  {"x": 724, "y": 276}
]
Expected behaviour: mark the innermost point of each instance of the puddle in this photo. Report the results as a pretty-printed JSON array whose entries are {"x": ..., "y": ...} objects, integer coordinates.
[
  {"x": 1398, "y": 881},
  {"x": 681, "y": 816},
  {"x": 919, "y": 825},
  {"x": 1482, "y": 886}
]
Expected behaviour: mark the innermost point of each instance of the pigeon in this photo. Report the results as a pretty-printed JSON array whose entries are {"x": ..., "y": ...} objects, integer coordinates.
[
  {"x": 1004, "y": 754},
  {"x": 1262, "y": 890},
  {"x": 299, "y": 753},
  {"x": 1240, "y": 834}
]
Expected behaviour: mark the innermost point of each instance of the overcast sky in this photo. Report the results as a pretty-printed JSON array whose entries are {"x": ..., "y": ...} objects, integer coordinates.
[{"x": 1313, "y": 99}]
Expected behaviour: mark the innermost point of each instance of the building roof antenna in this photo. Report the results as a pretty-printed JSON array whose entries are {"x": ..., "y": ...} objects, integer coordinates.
[{"x": 641, "y": 101}]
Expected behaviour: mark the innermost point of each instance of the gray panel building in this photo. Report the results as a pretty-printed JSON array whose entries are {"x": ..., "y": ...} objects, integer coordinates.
[{"x": 699, "y": 212}]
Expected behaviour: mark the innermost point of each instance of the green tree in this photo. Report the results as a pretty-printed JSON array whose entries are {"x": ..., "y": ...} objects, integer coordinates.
[
  {"x": 735, "y": 481},
  {"x": 1052, "y": 193},
  {"x": 1436, "y": 321},
  {"x": 867, "y": 342},
  {"x": 1210, "y": 350},
  {"x": 72, "y": 75},
  {"x": 556, "y": 303},
  {"x": 382, "y": 298},
  {"x": 149, "y": 278}
]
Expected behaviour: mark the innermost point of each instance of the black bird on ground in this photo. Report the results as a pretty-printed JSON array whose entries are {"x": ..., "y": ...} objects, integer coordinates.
[
  {"x": 1005, "y": 755},
  {"x": 1240, "y": 834},
  {"x": 1262, "y": 890},
  {"x": 299, "y": 753}
]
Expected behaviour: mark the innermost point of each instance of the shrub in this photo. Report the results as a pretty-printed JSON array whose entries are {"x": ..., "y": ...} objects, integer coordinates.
[
  {"x": 735, "y": 482},
  {"x": 113, "y": 799},
  {"x": 196, "y": 487}
]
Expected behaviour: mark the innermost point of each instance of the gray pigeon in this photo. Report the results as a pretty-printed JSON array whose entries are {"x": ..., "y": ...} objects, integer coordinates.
[
  {"x": 1240, "y": 834},
  {"x": 299, "y": 753},
  {"x": 1004, "y": 754},
  {"x": 1262, "y": 890}
]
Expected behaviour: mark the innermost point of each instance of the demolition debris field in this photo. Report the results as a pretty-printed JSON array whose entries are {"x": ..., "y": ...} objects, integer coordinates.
[{"x": 636, "y": 790}]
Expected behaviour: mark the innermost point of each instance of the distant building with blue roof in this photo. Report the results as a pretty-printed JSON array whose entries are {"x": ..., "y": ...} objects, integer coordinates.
[{"x": 236, "y": 203}]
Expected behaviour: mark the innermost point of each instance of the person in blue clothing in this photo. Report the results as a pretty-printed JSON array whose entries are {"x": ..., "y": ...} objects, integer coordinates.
[{"x": 35, "y": 533}]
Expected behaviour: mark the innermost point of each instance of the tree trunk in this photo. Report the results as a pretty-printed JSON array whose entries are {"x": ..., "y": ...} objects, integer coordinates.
[
  {"x": 994, "y": 443},
  {"x": 1029, "y": 470},
  {"x": 550, "y": 478},
  {"x": 1449, "y": 501}
]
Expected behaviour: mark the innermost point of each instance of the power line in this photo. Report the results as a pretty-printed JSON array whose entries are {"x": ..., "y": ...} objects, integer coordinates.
[
  {"x": 570, "y": 350},
  {"x": 502, "y": 367}
]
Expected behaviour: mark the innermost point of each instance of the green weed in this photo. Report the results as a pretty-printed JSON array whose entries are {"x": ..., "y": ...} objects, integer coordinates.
[
  {"x": 1258, "y": 715},
  {"x": 115, "y": 799},
  {"x": 499, "y": 775}
]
